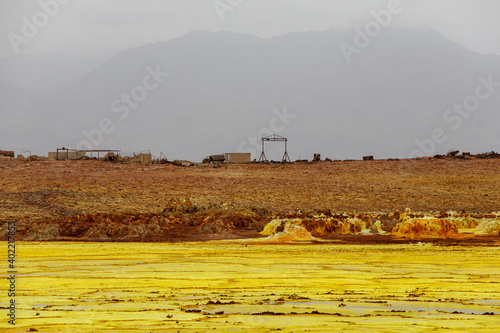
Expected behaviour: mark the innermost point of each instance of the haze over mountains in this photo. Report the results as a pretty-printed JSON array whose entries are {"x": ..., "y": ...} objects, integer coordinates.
[{"x": 224, "y": 89}]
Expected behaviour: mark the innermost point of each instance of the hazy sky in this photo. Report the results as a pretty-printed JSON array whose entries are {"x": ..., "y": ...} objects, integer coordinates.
[{"x": 109, "y": 26}]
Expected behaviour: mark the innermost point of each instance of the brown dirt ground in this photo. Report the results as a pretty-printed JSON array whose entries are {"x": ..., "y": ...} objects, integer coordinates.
[{"x": 43, "y": 190}]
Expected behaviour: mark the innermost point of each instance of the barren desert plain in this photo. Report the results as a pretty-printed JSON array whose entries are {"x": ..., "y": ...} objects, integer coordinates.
[{"x": 352, "y": 246}]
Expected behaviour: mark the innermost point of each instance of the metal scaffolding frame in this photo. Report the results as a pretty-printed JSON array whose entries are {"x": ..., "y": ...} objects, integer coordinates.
[{"x": 274, "y": 137}]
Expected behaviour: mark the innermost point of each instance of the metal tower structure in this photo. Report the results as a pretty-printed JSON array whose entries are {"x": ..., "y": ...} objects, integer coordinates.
[{"x": 274, "y": 137}]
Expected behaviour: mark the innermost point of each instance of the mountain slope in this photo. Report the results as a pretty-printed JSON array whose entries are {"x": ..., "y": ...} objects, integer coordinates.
[{"x": 223, "y": 88}]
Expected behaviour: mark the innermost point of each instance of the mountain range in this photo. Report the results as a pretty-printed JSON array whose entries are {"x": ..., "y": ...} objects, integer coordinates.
[{"x": 214, "y": 92}]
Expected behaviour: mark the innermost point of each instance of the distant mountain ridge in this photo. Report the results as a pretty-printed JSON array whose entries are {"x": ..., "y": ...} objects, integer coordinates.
[{"x": 224, "y": 89}]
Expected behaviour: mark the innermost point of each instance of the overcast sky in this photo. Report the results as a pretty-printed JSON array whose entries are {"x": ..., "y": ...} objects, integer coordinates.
[{"x": 109, "y": 26}]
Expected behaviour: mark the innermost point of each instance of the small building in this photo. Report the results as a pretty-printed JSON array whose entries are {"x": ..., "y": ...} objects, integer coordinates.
[
  {"x": 145, "y": 158},
  {"x": 7, "y": 153},
  {"x": 237, "y": 157},
  {"x": 66, "y": 155},
  {"x": 229, "y": 158}
]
